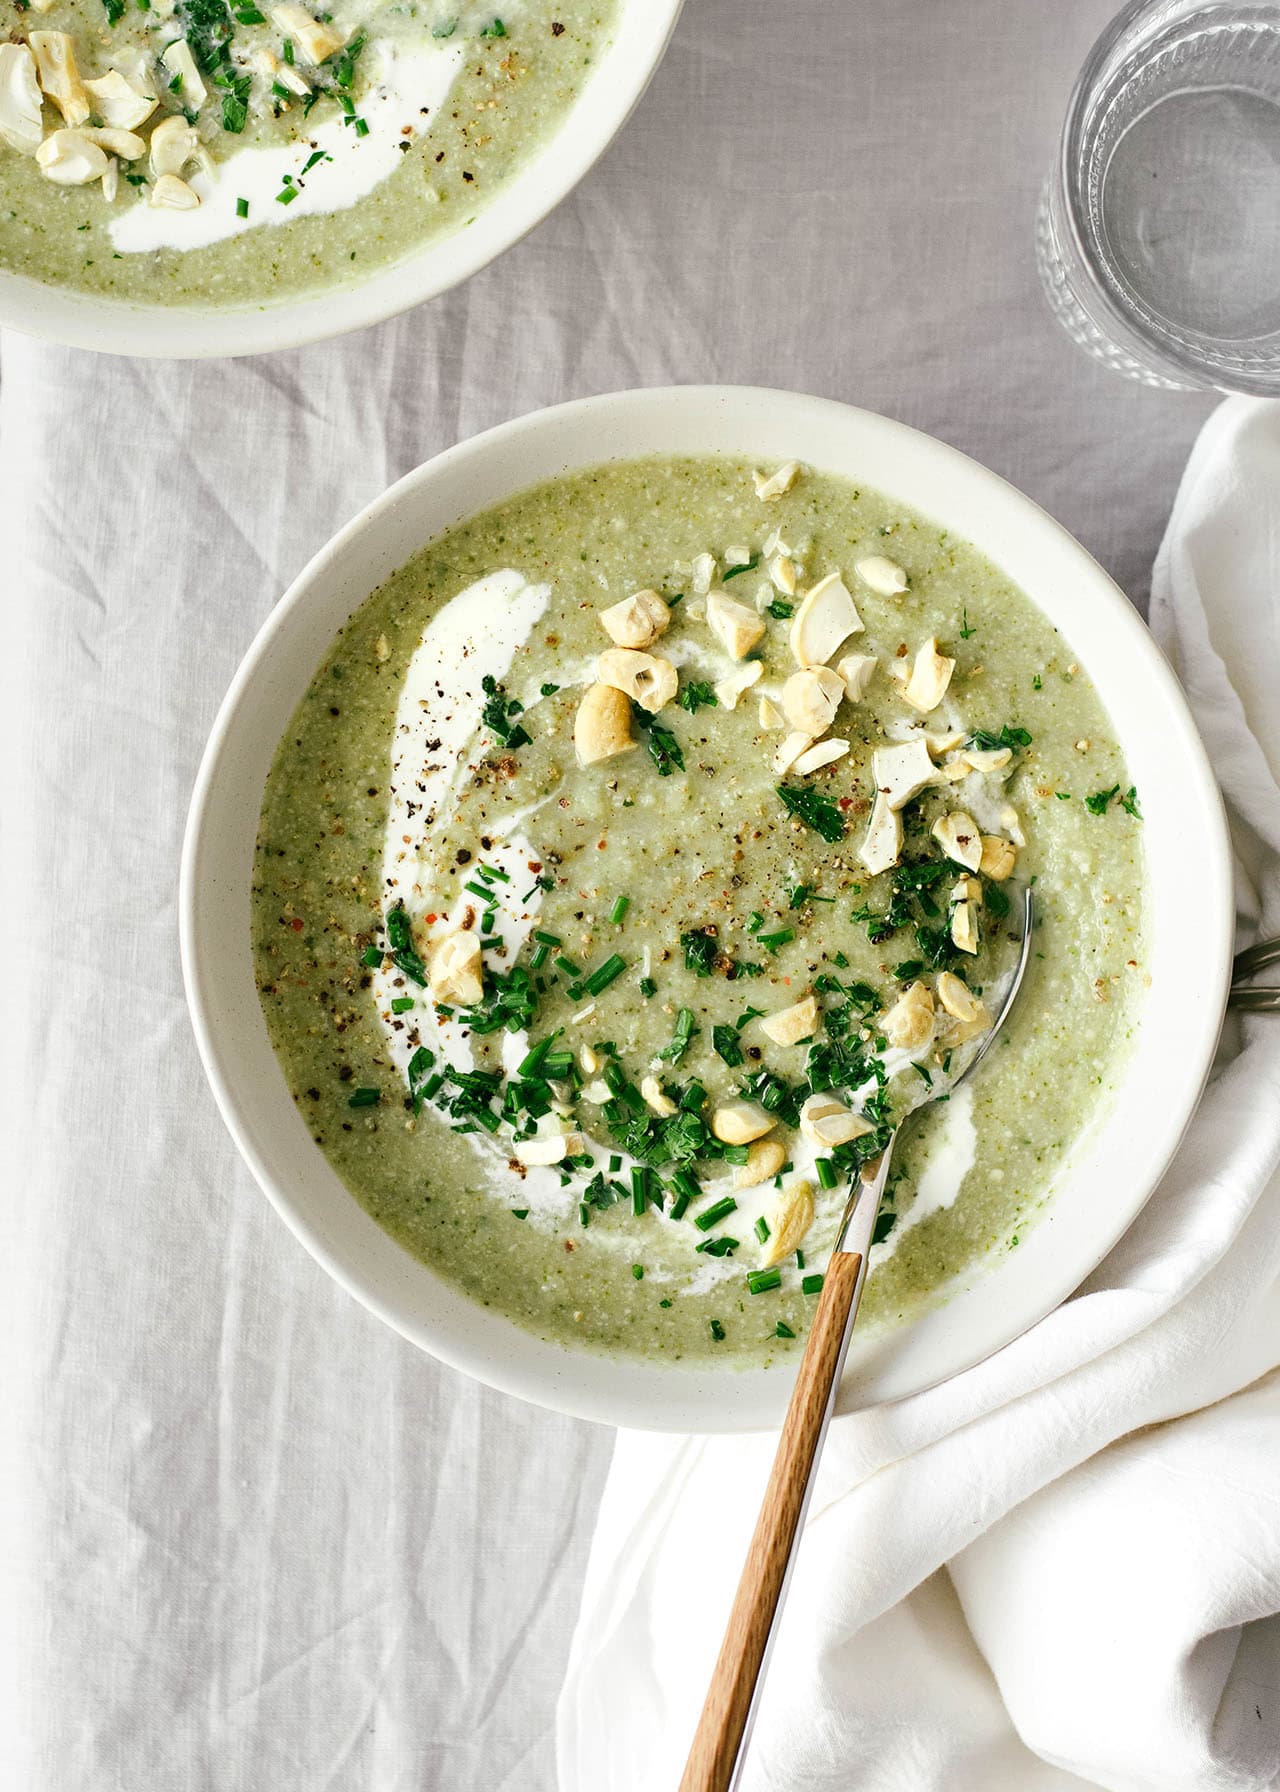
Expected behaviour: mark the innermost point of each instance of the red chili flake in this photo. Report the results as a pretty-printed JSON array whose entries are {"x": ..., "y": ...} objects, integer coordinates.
[{"x": 297, "y": 924}]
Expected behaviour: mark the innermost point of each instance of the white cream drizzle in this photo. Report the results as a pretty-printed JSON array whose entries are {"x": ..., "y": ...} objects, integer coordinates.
[{"x": 408, "y": 85}]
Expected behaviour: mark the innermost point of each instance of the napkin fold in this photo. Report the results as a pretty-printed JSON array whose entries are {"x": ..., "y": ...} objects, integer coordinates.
[{"x": 1061, "y": 1568}]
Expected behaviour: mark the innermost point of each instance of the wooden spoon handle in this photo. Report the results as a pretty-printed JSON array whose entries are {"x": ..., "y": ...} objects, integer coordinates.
[{"x": 731, "y": 1694}]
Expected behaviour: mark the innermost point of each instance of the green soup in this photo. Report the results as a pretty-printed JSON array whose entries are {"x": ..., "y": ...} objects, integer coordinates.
[
  {"x": 322, "y": 144},
  {"x": 596, "y": 1041}
]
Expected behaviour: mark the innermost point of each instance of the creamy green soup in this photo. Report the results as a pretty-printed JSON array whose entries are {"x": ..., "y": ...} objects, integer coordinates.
[
  {"x": 235, "y": 151},
  {"x": 643, "y": 850}
]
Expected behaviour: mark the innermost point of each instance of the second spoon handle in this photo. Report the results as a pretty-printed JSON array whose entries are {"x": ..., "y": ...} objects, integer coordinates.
[{"x": 726, "y": 1713}]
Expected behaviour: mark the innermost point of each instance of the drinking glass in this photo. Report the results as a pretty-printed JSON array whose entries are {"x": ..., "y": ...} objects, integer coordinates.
[{"x": 1158, "y": 231}]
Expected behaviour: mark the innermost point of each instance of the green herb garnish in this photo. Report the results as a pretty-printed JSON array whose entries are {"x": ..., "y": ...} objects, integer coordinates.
[
  {"x": 725, "y": 1040},
  {"x": 814, "y": 809},
  {"x": 497, "y": 714},
  {"x": 733, "y": 571},
  {"x": 1097, "y": 803},
  {"x": 696, "y": 695},
  {"x": 1013, "y": 738}
]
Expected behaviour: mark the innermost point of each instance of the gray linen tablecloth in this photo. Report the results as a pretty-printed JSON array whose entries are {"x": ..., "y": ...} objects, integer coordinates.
[{"x": 251, "y": 1539}]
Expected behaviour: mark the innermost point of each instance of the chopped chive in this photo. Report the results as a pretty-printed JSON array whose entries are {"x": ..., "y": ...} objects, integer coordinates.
[
  {"x": 402, "y": 1005},
  {"x": 637, "y": 1270},
  {"x": 772, "y": 941},
  {"x": 722, "y": 1246},
  {"x": 639, "y": 1189},
  {"x": 783, "y": 1330},
  {"x": 540, "y": 956},
  {"x": 372, "y": 956},
  {"x": 762, "y": 1281},
  {"x": 286, "y": 50},
  {"x": 648, "y": 987},
  {"x": 607, "y": 973},
  {"x": 618, "y": 912},
  {"x": 242, "y": 208},
  {"x": 286, "y": 196},
  {"x": 548, "y": 939},
  {"x": 549, "y": 690},
  {"x": 519, "y": 1213},
  {"x": 687, "y": 1189},
  {"x": 567, "y": 965},
  {"x": 811, "y": 1285},
  {"x": 799, "y": 1259},
  {"x": 762, "y": 1229},
  {"x": 362, "y": 128},
  {"x": 615, "y": 1164},
  {"x": 717, "y": 1331},
  {"x": 826, "y": 1172},
  {"x": 365, "y": 1098},
  {"x": 584, "y": 1213},
  {"x": 715, "y": 1213}
]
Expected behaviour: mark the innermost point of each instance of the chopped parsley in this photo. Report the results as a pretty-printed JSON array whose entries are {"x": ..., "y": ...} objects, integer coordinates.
[
  {"x": 701, "y": 949},
  {"x": 696, "y": 695},
  {"x": 1013, "y": 738},
  {"x": 1097, "y": 803},
  {"x": 965, "y": 630},
  {"x": 814, "y": 809},
  {"x": 1129, "y": 803},
  {"x": 780, "y": 610},
  {"x": 498, "y": 712},
  {"x": 733, "y": 571},
  {"x": 682, "y": 1038},
  {"x": 725, "y": 1040},
  {"x": 663, "y": 747},
  {"x": 403, "y": 951}
]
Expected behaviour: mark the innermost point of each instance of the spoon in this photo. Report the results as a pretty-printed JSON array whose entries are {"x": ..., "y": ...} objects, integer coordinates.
[
  {"x": 720, "y": 1741},
  {"x": 1247, "y": 964}
]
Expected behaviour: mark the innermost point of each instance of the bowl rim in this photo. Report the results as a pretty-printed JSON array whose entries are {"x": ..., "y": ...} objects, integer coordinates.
[
  {"x": 76, "y": 318},
  {"x": 658, "y": 1397}
]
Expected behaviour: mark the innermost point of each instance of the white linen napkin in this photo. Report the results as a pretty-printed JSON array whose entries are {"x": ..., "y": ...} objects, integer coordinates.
[{"x": 1062, "y": 1567}]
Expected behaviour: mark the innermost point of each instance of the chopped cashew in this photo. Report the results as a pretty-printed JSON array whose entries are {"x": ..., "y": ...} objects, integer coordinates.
[
  {"x": 770, "y": 715},
  {"x": 636, "y": 621},
  {"x": 21, "y": 121},
  {"x": 959, "y": 838},
  {"x": 930, "y": 676},
  {"x": 909, "y": 1023},
  {"x": 902, "y": 772},
  {"x": 740, "y": 1123},
  {"x": 764, "y": 1159},
  {"x": 967, "y": 889},
  {"x": 969, "y": 1014},
  {"x": 655, "y": 1100},
  {"x": 987, "y": 762},
  {"x": 547, "y": 1148},
  {"x": 737, "y": 683},
  {"x": 55, "y": 56},
  {"x": 69, "y": 159},
  {"x": 173, "y": 144},
  {"x": 775, "y": 485},
  {"x": 828, "y": 1122},
  {"x": 111, "y": 180},
  {"x": 790, "y": 1025},
  {"x": 789, "y": 750},
  {"x": 171, "y": 193},
  {"x": 316, "y": 40},
  {"x": 823, "y": 623},
  {"x": 856, "y": 670},
  {"x": 943, "y": 743},
  {"x": 598, "y": 1092},
  {"x": 455, "y": 974},
  {"x": 181, "y": 64},
  {"x": 737, "y": 628},
  {"x": 998, "y": 858},
  {"x": 885, "y": 577},
  {"x": 1011, "y": 825},
  {"x": 602, "y": 726},
  {"x": 125, "y": 144},
  {"x": 119, "y": 103},
  {"x": 826, "y": 752},
  {"x": 788, "y": 1216},
  {"x": 647, "y": 678},
  {"x": 782, "y": 574},
  {"x": 883, "y": 844},
  {"x": 703, "y": 570},
  {"x": 964, "y": 926},
  {"x": 811, "y": 698}
]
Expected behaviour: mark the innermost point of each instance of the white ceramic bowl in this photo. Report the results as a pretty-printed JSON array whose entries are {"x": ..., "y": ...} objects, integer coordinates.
[
  {"x": 189, "y": 332},
  {"x": 1113, "y": 1171}
]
